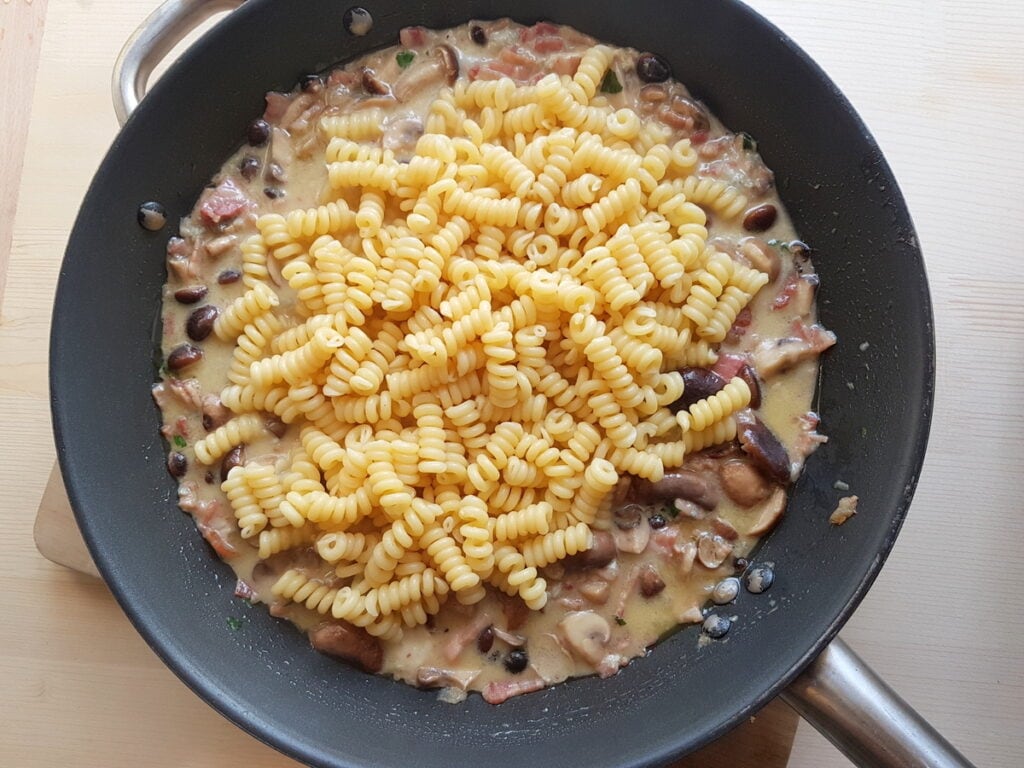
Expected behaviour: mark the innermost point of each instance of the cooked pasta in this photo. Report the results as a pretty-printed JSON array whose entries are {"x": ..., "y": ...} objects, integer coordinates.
[{"x": 463, "y": 333}]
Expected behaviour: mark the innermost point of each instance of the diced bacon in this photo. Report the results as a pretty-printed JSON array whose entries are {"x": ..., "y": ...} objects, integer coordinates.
[
  {"x": 187, "y": 391},
  {"x": 277, "y": 104},
  {"x": 463, "y": 638},
  {"x": 503, "y": 690},
  {"x": 541, "y": 28},
  {"x": 224, "y": 202},
  {"x": 808, "y": 439},
  {"x": 740, "y": 325},
  {"x": 217, "y": 526},
  {"x": 178, "y": 428},
  {"x": 342, "y": 77},
  {"x": 244, "y": 590},
  {"x": 729, "y": 365},
  {"x": 517, "y": 57},
  {"x": 548, "y": 44},
  {"x": 412, "y": 37},
  {"x": 566, "y": 65}
]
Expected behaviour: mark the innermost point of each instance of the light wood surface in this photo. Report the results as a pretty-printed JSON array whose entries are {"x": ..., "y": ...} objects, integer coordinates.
[{"x": 940, "y": 84}]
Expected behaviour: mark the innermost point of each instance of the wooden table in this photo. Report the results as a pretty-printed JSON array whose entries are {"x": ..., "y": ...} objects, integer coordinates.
[{"x": 941, "y": 85}]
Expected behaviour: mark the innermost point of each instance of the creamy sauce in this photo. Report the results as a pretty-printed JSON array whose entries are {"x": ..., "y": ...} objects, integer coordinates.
[{"x": 458, "y": 640}]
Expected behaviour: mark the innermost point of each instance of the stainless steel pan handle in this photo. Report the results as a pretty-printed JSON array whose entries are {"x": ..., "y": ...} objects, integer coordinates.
[
  {"x": 866, "y": 719},
  {"x": 837, "y": 693},
  {"x": 151, "y": 42}
]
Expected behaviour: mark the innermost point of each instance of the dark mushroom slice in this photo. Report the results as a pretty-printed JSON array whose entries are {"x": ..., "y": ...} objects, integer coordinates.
[
  {"x": 450, "y": 59},
  {"x": 698, "y": 384},
  {"x": 485, "y": 640},
  {"x": 680, "y": 484},
  {"x": 749, "y": 375},
  {"x": 233, "y": 458},
  {"x": 350, "y": 643},
  {"x": 478, "y": 35},
  {"x": 650, "y": 581},
  {"x": 600, "y": 554},
  {"x": 373, "y": 84},
  {"x": 763, "y": 447},
  {"x": 152, "y": 216}
]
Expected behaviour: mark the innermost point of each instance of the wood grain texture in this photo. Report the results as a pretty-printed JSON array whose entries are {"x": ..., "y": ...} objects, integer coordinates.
[
  {"x": 21, "y": 32},
  {"x": 938, "y": 83}
]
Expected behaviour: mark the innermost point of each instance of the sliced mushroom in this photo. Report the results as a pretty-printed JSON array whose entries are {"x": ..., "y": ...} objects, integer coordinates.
[
  {"x": 633, "y": 540},
  {"x": 690, "y": 615},
  {"x": 628, "y": 516},
  {"x": 549, "y": 658},
  {"x": 681, "y": 484},
  {"x": 761, "y": 256},
  {"x": 712, "y": 550},
  {"x": 771, "y": 513},
  {"x": 598, "y": 556},
  {"x": 373, "y": 84},
  {"x": 586, "y": 634},
  {"x": 400, "y": 136},
  {"x": 687, "y": 555},
  {"x": 724, "y": 529},
  {"x": 743, "y": 483},
  {"x": 349, "y": 643},
  {"x": 763, "y": 447},
  {"x": 417, "y": 79},
  {"x": 749, "y": 375},
  {"x": 689, "y": 509},
  {"x": 450, "y": 60},
  {"x": 516, "y": 641},
  {"x": 436, "y": 677},
  {"x": 698, "y": 384},
  {"x": 595, "y": 590}
]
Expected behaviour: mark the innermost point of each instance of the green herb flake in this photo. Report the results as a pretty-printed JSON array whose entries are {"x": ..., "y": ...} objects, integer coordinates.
[
  {"x": 404, "y": 58},
  {"x": 620, "y": 621},
  {"x": 749, "y": 144},
  {"x": 234, "y": 624},
  {"x": 671, "y": 511},
  {"x": 782, "y": 245},
  {"x": 179, "y": 441},
  {"x": 610, "y": 83}
]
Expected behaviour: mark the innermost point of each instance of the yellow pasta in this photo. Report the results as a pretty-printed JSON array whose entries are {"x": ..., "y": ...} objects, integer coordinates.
[{"x": 473, "y": 345}]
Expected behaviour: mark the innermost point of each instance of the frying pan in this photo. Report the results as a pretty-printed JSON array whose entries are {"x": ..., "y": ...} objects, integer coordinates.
[{"x": 875, "y": 394}]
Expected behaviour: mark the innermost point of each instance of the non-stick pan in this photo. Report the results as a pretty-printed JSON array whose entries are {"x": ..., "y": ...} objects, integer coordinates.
[{"x": 875, "y": 396}]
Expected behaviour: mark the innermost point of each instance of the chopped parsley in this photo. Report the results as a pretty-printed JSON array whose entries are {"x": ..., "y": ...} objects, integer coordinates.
[
  {"x": 404, "y": 58},
  {"x": 748, "y": 142},
  {"x": 179, "y": 441},
  {"x": 610, "y": 83},
  {"x": 782, "y": 245},
  {"x": 235, "y": 624},
  {"x": 671, "y": 511},
  {"x": 620, "y": 621}
]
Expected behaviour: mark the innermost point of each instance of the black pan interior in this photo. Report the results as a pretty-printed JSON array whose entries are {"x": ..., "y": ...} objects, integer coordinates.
[{"x": 875, "y": 394}]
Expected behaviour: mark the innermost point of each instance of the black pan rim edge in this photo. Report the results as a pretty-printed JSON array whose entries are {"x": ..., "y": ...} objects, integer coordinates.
[{"x": 274, "y": 736}]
